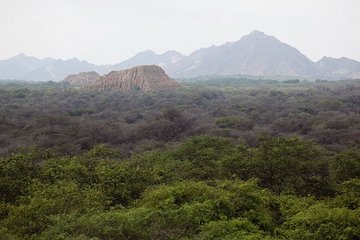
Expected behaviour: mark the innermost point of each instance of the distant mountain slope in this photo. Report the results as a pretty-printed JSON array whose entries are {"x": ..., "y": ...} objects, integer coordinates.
[
  {"x": 165, "y": 60},
  {"x": 339, "y": 67},
  {"x": 20, "y": 65},
  {"x": 59, "y": 69},
  {"x": 254, "y": 54}
]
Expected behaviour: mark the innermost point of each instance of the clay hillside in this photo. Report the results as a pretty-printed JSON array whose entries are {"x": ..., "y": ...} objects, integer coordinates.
[
  {"x": 144, "y": 78},
  {"x": 82, "y": 79}
]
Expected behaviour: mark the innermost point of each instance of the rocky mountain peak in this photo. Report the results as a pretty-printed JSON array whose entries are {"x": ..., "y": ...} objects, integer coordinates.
[
  {"x": 256, "y": 36},
  {"x": 20, "y": 56},
  {"x": 146, "y": 53},
  {"x": 257, "y": 33}
]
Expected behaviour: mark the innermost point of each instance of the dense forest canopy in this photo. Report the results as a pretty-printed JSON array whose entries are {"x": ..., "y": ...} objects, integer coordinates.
[
  {"x": 51, "y": 115},
  {"x": 217, "y": 159}
]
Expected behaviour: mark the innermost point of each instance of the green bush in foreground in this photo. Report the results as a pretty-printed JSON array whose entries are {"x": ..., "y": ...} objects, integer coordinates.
[{"x": 205, "y": 188}]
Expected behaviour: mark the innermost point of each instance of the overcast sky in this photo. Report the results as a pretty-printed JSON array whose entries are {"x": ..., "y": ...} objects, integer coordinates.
[{"x": 110, "y": 31}]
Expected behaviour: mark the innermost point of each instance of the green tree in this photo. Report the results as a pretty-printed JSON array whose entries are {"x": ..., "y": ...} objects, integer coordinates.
[
  {"x": 122, "y": 183},
  {"x": 321, "y": 222},
  {"x": 33, "y": 214},
  {"x": 239, "y": 163},
  {"x": 345, "y": 166},
  {"x": 17, "y": 172},
  {"x": 349, "y": 194},
  {"x": 203, "y": 153},
  {"x": 239, "y": 228},
  {"x": 292, "y": 165}
]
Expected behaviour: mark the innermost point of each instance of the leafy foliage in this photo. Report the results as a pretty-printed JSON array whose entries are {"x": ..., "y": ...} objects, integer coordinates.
[{"x": 205, "y": 188}]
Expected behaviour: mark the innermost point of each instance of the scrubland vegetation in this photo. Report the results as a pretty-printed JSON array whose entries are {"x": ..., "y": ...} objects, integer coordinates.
[{"x": 217, "y": 159}]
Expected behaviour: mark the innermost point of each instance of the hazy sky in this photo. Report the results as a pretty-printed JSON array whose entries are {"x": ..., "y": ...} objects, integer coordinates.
[{"x": 109, "y": 31}]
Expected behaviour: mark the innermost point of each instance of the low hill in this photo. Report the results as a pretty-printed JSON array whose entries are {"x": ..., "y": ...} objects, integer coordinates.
[
  {"x": 82, "y": 79},
  {"x": 144, "y": 78}
]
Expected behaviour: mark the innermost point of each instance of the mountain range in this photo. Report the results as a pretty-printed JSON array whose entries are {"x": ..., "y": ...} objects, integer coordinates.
[{"x": 255, "y": 54}]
